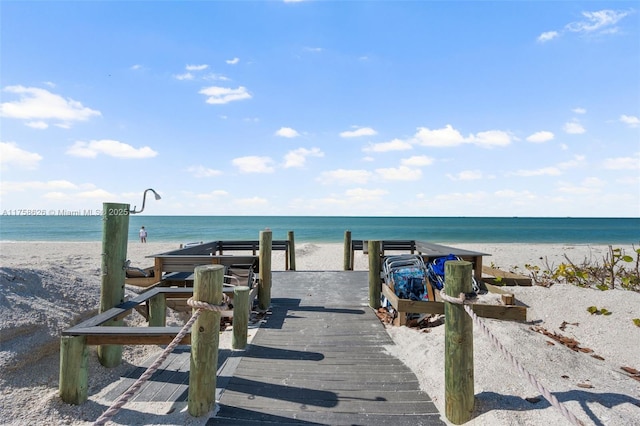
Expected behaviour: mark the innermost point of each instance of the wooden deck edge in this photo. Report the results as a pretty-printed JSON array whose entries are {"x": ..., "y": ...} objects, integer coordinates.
[
  {"x": 500, "y": 277},
  {"x": 403, "y": 306}
]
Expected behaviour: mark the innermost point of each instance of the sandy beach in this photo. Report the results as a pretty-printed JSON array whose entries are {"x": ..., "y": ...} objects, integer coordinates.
[{"x": 45, "y": 287}]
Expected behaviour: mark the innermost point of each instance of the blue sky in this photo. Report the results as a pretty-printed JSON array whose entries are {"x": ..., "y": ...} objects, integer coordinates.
[{"x": 322, "y": 108}]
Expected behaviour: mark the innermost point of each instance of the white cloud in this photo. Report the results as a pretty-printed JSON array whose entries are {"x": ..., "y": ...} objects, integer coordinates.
[
  {"x": 196, "y": 67},
  {"x": 363, "y": 194},
  {"x": 253, "y": 164},
  {"x": 539, "y": 137},
  {"x": 579, "y": 110},
  {"x": 218, "y": 193},
  {"x": 111, "y": 148},
  {"x": 578, "y": 160},
  {"x": 57, "y": 196},
  {"x": 12, "y": 155},
  {"x": 602, "y": 21},
  {"x": 400, "y": 173},
  {"x": 298, "y": 157},
  {"x": 622, "y": 163},
  {"x": 598, "y": 22},
  {"x": 41, "y": 105},
  {"x": 509, "y": 193},
  {"x": 491, "y": 138},
  {"x": 358, "y": 132},
  {"x": 544, "y": 171},
  {"x": 251, "y": 202},
  {"x": 417, "y": 161},
  {"x": 345, "y": 177},
  {"x": 136, "y": 67},
  {"x": 449, "y": 137},
  {"x": 466, "y": 175},
  {"x": 546, "y": 36},
  {"x": 98, "y": 194},
  {"x": 394, "y": 145},
  {"x": 232, "y": 61},
  {"x": 8, "y": 186},
  {"x": 185, "y": 76},
  {"x": 215, "y": 77},
  {"x": 573, "y": 127},
  {"x": 287, "y": 132},
  {"x": 222, "y": 95},
  {"x": 37, "y": 124},
  {"x": 203, "y": 172},
  {"x": 587, "y": 186},
  {"x": 314, "y": 49},
  {"x": 630, "y": 120}
]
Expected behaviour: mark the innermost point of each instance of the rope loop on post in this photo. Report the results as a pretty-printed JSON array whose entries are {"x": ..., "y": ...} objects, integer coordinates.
[
  {"x": 206, "y": 306},
  {"x": 462, "y": 299}
]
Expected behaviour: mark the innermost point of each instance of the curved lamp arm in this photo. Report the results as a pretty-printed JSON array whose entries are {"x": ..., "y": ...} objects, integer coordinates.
[{"x": 144, "y": 199}]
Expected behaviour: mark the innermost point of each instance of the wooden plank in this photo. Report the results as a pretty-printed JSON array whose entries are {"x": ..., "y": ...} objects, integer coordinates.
[
  {"x": 132, "y": 335},
  {"x": 504, "y": 278},
  {"x": 512, "y": 313}
]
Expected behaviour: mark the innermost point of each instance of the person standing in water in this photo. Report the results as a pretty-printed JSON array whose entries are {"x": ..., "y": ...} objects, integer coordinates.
[{"x": 143, "y": 235}]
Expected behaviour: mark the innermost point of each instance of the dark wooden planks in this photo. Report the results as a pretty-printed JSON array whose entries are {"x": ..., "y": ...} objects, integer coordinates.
[{"x": 320, "y": 358}]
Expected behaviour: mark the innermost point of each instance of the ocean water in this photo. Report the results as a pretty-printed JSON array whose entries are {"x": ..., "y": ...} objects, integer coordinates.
[{"x": 331, "y": 229}]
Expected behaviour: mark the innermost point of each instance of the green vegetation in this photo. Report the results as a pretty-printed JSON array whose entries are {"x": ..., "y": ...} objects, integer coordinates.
[
  {"x": 616, "y": 269},
  {"x": 636, "y": 321},
  {"x": 594, "y": 310}
]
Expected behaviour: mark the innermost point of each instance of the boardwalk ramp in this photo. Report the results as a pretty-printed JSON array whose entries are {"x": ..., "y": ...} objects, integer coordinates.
[{"x": 320, "y": 359}]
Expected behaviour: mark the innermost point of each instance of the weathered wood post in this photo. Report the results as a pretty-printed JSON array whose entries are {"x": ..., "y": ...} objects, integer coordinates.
[
  {"x": 292, "y": 252},
  {"x": 74, "y": 356},
  {"x": 264, "y": 259},
  {"x": 375, "y": 282},
  {"x": 205, "y": 338},
  {"x": 458, "y": 345},
  {"x": 241, "y": 312},
  {"x": 115, "y": 229},
  {"x": 348, "y": 261},
  {"x": 158, "y": 310}
]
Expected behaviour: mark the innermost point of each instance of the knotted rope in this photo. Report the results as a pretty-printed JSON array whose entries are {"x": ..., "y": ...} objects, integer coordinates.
[
  {"x": 464, "y": 300},
  {"x": 124, "y": 398}
]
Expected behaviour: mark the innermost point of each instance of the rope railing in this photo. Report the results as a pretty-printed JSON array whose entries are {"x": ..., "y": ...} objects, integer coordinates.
[
  {"x": 466, "y": 300},
  {"x": 131, "y": 391}
]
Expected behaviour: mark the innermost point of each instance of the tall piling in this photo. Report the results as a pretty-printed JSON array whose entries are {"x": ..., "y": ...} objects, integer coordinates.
[
  {"x": 291, "y": 259},
  {"x": 458, "y": 345},
  {"x": 375, "y": 281},
  {"x": 347, "y": 264},
  {"x": 205, "y": 339},
  {"x": 264, "y": 274},
  {"x": 115, "y": 229}
]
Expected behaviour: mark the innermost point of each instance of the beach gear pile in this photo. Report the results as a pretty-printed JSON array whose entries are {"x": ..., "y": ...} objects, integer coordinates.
[{"x": 409, "y": 277}]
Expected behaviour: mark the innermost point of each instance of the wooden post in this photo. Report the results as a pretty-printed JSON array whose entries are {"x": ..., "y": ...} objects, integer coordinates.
[
  {"x": 158, "y": 311},
  {"x": 375, "y": 282},
  {"x": 73, "y": 369},
  {"x": 115, "y": 229},
  {"x": 348, "y": 261},
  {"x": 458, "y": 345},
  {"x": 241, "y": 312},
  {"x": 205, "y": 338},
  {"x": 264, "y": 265},
  {"x": 292, "y": 252}
]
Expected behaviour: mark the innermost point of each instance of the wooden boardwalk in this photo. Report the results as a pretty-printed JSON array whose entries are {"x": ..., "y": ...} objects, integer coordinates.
[{"x": 320, "y": 359}]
